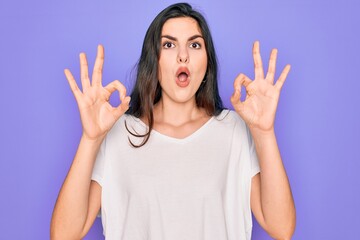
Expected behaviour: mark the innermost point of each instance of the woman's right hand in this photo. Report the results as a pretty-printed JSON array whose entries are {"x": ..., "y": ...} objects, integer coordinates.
[{"x": 97, "y": 115}]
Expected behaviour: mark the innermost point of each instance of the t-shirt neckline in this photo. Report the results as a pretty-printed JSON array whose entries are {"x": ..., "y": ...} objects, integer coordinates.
[{"x": 173, "y": 139}]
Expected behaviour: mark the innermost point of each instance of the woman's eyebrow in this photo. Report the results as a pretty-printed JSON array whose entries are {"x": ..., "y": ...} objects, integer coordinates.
[
  {"x": 175, "y": 39},
  {"x": 169, "y": 37},
  {"x": 195, "y": 36}
]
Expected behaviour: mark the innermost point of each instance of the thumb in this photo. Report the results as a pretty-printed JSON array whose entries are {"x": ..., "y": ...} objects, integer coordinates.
[
  {"x": 122, "y": 108},
  {"x": 236, "y": 102}
]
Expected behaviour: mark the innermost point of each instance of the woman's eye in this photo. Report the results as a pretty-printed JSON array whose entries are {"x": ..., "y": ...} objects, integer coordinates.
[
  {"x": 195, "y": 45},
  {"x": 168, "y": 45}
]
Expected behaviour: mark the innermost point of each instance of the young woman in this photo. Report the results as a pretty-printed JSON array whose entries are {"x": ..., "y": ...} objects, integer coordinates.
[{"x": 172, "y": 163}]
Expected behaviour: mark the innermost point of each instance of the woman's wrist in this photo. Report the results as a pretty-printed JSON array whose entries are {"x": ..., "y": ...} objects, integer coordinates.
[
  {"x": 259, "y": 133},
  {"x": 92, "y": 141}
]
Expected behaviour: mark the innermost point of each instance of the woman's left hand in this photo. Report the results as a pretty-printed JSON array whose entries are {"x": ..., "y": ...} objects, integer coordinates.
[{"x": 262, "y": 95}]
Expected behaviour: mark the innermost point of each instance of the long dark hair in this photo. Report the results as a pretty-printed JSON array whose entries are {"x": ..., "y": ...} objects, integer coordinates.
[{"x": 147, "y": 90}]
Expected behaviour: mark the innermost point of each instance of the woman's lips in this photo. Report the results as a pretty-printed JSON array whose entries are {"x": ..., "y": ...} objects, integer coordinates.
[{"x": 183, "y": 77}]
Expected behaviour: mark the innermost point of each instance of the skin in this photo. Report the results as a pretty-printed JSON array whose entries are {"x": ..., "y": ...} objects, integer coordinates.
[
  {"x": 271, "y": 198},
  {"x": 79, "y": 199},
  {"x": 187, "y": 47},
  {"x": 177, "y": 115},
  {"x": 182, "y": 51}
]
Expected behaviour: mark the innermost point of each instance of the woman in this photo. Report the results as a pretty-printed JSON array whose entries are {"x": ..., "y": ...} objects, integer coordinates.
[{"x": 172, "y": 163}]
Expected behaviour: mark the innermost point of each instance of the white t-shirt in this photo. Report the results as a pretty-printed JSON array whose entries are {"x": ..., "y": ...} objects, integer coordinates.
[{"x": 196, "y": 188}]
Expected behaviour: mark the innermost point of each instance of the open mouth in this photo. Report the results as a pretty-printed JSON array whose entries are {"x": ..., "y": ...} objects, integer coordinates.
[
  {"x": 183, "y": 73},
  {"x": 183, "y": 77}
]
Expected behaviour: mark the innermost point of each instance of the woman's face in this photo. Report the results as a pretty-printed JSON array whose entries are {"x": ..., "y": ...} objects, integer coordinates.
[{"x": 183, "y": 59}]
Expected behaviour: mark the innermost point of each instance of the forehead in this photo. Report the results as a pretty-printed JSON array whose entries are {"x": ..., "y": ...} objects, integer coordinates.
[{"x": 181, "y": 26}]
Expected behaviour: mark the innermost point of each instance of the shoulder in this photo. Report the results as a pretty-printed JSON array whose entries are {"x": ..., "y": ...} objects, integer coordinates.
[
  {"x": 232, "y": 120},
  {"x": 125, "y": 122},
  {"x": 230, "y": 117},
  {"x": 128, "y": 120}
]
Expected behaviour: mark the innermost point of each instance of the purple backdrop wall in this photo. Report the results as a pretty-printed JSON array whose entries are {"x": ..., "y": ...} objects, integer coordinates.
[{"x": 317, "y": 122}]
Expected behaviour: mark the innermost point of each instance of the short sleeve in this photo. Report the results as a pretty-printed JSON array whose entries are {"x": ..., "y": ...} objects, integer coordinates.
[
  {"x": 255, "y": 167},
  {"x": 99, "y": 166}
]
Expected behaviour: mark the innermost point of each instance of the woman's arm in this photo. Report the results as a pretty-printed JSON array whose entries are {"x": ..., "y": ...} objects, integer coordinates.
[
  {"x": 271, "y": 199},
  {"x": 79, "y": 198}
]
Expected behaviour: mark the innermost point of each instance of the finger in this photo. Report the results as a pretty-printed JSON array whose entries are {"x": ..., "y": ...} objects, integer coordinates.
[
  {"x": 71, "y": 80},
  {"x": 272, "y": 66},
  {"x": 235, "y": 100},
  {"x": 84, "y": 72},
  {"x": 98, "y": 66},
  {"x": 259, "y": 72},
  {"x": 125, "y": 100},
  {"x": 122, "y": 108},
  {"x": 240, "y": 80},
  {"x": 280, "y": 82},
  {"x": 117, "y": 85}
]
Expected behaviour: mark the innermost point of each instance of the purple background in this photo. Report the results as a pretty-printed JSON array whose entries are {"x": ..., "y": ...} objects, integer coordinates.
[{"x": 317, "y": 122}]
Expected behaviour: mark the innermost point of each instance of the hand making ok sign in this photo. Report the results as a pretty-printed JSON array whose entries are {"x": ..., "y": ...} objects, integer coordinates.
[
  {"x": 97, "y": 115},
  {"x": 262, "y": 95}
]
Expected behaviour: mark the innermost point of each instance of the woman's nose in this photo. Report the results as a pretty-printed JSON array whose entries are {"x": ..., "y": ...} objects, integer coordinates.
[{"x": 183, "y": 56}]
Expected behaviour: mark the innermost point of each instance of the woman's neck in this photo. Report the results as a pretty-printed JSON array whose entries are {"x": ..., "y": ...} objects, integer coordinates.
[{"x": 177, "y": 114}]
